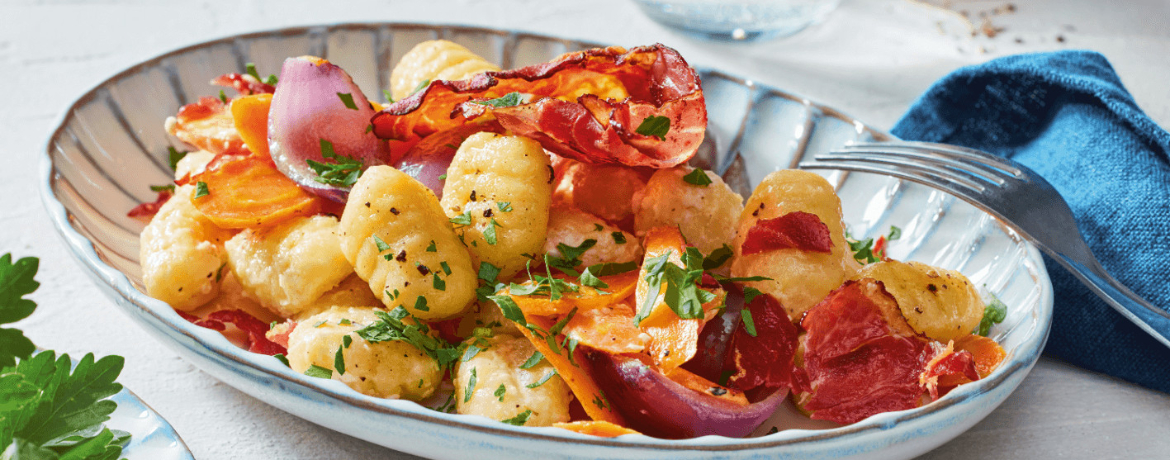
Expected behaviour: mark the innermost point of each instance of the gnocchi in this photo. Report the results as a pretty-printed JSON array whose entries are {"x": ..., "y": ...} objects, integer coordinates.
[
  {"x": 498, "y": 194},
  {"x": 182, "y": 254},
  {"x": 435, "y": 60},
  {"x": 571, "y": 226},
  {"x": 389, "y": 369},
  {"x": 798, "y": 279},
  {"x": 492, "y": 384},
  {"x": 939, "y": 303},
  {"x": 397, "y": 238},
  {"x": 288, "y": 266},
  {"x": 705, "y": 214}
]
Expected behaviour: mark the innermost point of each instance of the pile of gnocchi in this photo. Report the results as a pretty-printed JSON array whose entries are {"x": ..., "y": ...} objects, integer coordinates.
[{"x": 530, "y": 246}]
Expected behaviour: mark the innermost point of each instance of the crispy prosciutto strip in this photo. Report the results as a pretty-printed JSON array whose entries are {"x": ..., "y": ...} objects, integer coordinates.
[
  {"x": 257, "y": 342},
  {"x": 946, "y": 369},
  {"x": 856, "y": 363},
  {"x": 764, "y": 359},
  {"x": 146, "y": 211},
  {"x": 244, "y": 84},
  {"x": 797, "y": 230},
  {"x": 562, "y": 114},
  {"x": 208, "y": 125}
]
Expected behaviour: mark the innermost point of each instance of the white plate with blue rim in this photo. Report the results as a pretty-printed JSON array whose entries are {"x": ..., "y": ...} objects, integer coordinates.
[{"x": 109, "y": 147}]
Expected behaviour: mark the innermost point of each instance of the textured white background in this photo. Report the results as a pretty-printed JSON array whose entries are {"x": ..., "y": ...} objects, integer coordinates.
[{"x": 871, "y": 59}]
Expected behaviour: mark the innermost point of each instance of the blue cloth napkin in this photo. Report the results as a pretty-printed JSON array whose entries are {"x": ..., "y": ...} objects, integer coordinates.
[{"x": 1067, "y": 116}]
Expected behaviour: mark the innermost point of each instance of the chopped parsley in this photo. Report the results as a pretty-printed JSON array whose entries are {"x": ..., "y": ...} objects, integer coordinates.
[
  {"x": 749, "y": 294},
  {"x": 319, "y": 372},
  {"x": 654, "y": 125},
  {"x": 390, "y": 326},
  {"x": 439, "y": 283},
  {"x": 462, "y": 219},
  {"x": 590, "y": 277},
  {"x": 386, "y": 94},
  {"x": 520, "y": 419},
  {"x": 339, "y": 360},
  {"x": 542, "y": 380},
  {"x": 533, "y": 360},
  {"x": 682, "y": 294},
  {"x": 748, "y": 324},
  {"x": 470, "y": 387},
  {"x": 697, "y": 177},
  {"x": 201, "y": 189},
  {"x": 163, "y": 188},
  {"x": 446, "y": 268},
  {"x": 420, "y": 303},
  {"x": 489, "y": 233},
  {"x": 444, "y": 175},
  {"x": 500, "y": 392},
  {"x": 382, "y": 246},
  {"x": 471, "y": 351},
  {"x": 173, "y": 157},
  {"x": 280, "y": 357},
  {"x": 347, "y": 99},
  {"x": 433, "y": 248},
  {"x": 250, "y": 69},
  {"x": 863, "y": 250},
  {"x": 510, "y": 309},
  {"x": 421, "y": 86},
  {"x": 343, "y": 172},
  {"x": 994, "y": 313},
  {"x": 717, "y": 257},
  {"x": 223, "y": 97},
  {"x": 505, "y": 206},
  {"x": 618, "y": 237},
  {"x": 511, "y": 99}
]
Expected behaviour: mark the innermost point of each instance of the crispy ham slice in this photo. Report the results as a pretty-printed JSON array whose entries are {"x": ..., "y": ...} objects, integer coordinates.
[{"x": 563, "y": 111}]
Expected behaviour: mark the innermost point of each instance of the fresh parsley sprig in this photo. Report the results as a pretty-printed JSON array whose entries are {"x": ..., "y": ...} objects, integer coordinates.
[{"x": 49, "y": 408}]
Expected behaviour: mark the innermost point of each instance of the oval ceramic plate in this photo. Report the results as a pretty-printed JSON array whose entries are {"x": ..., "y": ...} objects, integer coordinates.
[{"x": 110, "y": 147}]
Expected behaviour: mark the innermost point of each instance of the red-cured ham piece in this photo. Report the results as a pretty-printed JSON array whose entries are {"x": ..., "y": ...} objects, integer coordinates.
[
  {"x": 856, "y": 363},
  {"x": 257, "y": 342},
  {"x": 148, "y": 210},
  {"x": 658, "y": 80},
  {"x": 764, "y": 360},
  {"x": 947, "y": 362},
  {"x": 797, "y": 229},
  {"x": 244, "y": 84}
]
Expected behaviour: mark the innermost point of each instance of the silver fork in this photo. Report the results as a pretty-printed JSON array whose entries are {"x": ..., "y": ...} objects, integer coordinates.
[{"x": 1011, "y": 192}]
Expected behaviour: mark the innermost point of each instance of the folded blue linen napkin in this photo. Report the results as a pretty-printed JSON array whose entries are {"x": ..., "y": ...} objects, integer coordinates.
[{"x": 1067, "y": 116}]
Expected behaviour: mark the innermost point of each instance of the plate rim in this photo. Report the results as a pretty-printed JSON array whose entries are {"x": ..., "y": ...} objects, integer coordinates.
[{"x": 85, "y": 251}]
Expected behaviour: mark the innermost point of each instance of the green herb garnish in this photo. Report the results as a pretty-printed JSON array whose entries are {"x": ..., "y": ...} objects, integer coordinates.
[
  {"x": 347, "y": 99},
  {"x": 201, "y": 189},
  {"x": 542, "y": 380},
  {"x": 748, "y": 324},
  {"x": 520, "y": 419},
  {"x": 508, "y": 100},
  {"x": 470, "y": 386},
  {"x": 697, "y": 177},
  {"x": 654, "y": 125},
  {"x": 343, "y": 172},
  {"x": 319, "y": 372},
  {"x": 994, "y": 313},
  {"x": 173, "y": 157},
  {"x": 533, "y": 360}
]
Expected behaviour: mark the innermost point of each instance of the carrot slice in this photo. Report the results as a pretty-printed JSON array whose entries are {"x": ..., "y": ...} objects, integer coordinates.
[
  {"x": 250, "y": 116},
  {"x": 246, "y": 191},
  {"x": 674, "y": 340},
  {"x": 609, "y": 329},
  {"x": 619, "y": 287},
  {"x": 987, "y": 353},
  {"x": 595, "y": 428},
  {"x": 592, "y": 399},
  {"x": 695, "y": 382}
]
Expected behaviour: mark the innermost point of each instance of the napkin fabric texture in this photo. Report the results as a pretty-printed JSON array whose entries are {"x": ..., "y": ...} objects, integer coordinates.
[{"x": 1067, "y": 116}]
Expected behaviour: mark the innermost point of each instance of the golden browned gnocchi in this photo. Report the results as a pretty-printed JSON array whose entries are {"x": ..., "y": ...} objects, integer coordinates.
[
  {"x": 288, "y": 266},
  {"x": 486, "y": 316},
  {"x": 939, "y": 303},
  {"x": 498, "y": 193},
  {"x": 399, "y": 240},
  {"x": 799, "y": 279},
  {"x": 571, "y": 226},
  {"x": 182, "y": 254},
  {"x": 435, "y": 60},
  {"x": 493, "y": 384},
  {"x": 389, "y": 369},
  {"x": 705, "y": 214}
]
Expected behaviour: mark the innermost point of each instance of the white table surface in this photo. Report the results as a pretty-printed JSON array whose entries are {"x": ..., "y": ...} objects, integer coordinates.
[{"x": 871, "y": 59}]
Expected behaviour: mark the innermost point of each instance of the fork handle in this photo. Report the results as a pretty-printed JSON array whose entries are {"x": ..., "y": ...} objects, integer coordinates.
[{"x": 1145, "y": 315}]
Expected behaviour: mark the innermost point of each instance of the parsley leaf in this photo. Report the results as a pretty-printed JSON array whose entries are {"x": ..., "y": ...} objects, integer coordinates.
[
  {"x": 895, "y": 233},
  {"x": 201, "y": 189},
  {"x": 749, "y": 294},
  {"x": 510, "y": 309},
  {"x": 489, "y": 233},
  {"x": 505, "y": 206},
  {"x": 748, "y": 324},
  {"x": 542, "y": 380},
  {"x": 654, "y": 125},
  {"x": 432, "y": 248},
  {"x": 386, "y": 94},
  {"x": 70, "y": 401},
  {"x": 343, "y": 172},
  {"x": 471, "y": 351},
  {"x": 173, "y": 157},
  {"x": 462, "y": 219},
  {"x": 520, "y": 419},
  {"x": 533, "y": 360},
  {"x": 390, "y": 326},
  {"x": 589, "y": 277},
  {"x": 994, "y": 313},
  {"x": 421, "y": 86},
  {"x": 347, "y": 99},
  {"x": 280, "y": 357},
  {"x": 319, "y": 372},
  {"x": 470, "y": 387},
  {"x": 697, "y": 177},
  {"x": 717, "y": 258},
  {"x": 500, "y": 392},
  {"x": 382, "y": 246},
  {"x": 339, "y": 360},
  {"x": 511, "y": 99},
  {"x": 223, "y": 97},
  {"x": 16, "y": 281},
  {"x": 163, "y": 188},
  {"x": 618, "y": 237}
]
